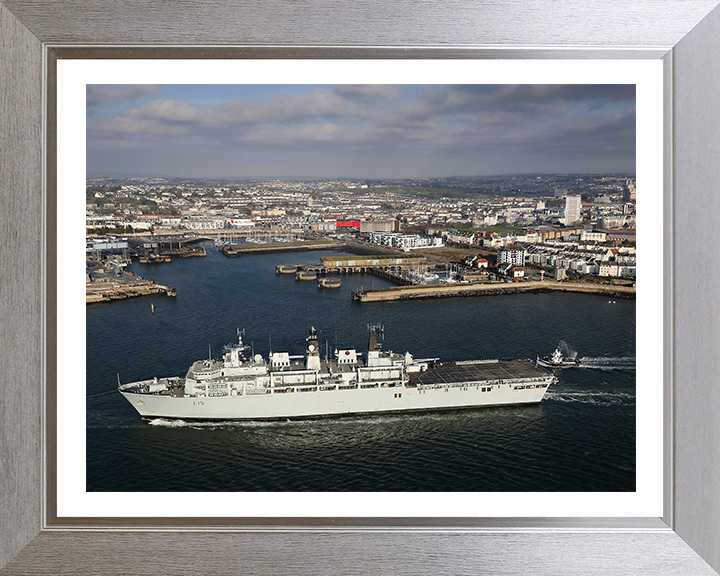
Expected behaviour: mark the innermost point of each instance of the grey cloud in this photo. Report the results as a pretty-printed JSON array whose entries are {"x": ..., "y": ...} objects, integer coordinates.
[
  {"x": 546, "y": 92},
  {"x": 447, "y": 129},
  {"x": 316, "y": 106},
  {"x": 100, "y": 94},
  {"x": 360, "y": 91},
  {"x": 171, "y": 110},
  {"x": 318, "y": 103}
]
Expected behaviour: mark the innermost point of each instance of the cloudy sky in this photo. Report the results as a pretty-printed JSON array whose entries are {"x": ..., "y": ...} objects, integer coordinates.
[{"x": 358, "y": 131}]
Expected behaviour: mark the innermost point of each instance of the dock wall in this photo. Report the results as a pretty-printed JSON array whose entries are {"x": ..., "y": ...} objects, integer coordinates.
[
  {"x": 467, "y": 290},
  {"x": 236, "y": 250},
  {"x": 110, "y": 291}
]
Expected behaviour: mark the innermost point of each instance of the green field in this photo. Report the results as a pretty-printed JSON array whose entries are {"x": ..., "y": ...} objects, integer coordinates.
[
  {"x": 496, "y": 229},
  {"x": 435, "y": 193},
  {"x": 269, "y": 245}
]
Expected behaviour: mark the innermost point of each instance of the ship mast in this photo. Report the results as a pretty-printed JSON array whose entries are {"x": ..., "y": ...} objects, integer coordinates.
[
  {"x": 313, "y": 354},
  {"x": 374, "y": 330}
]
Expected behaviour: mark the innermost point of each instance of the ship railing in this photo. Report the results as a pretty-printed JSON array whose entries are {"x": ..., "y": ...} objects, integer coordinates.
[{"x": 256, "y": 391}]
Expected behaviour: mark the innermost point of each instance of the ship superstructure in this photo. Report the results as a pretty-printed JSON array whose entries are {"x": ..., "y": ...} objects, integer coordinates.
[{"x": 285, "y": 386}]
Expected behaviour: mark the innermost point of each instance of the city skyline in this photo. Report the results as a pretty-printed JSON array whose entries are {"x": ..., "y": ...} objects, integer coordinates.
[{"x": 356, "y": 131}]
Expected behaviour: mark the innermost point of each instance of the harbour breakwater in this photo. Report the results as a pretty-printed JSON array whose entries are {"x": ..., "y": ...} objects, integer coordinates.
[{"x": 491, "y": 289}]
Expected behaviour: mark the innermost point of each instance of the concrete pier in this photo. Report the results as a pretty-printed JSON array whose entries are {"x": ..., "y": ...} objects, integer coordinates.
[
  {"x": 490, "y": 289},
  {"x": 235, "y": 250},
  {"x": 106, "y": 292}
]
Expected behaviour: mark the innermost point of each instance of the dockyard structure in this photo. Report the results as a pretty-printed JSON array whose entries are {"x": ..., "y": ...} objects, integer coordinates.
[{"x": 390, "y": 261}]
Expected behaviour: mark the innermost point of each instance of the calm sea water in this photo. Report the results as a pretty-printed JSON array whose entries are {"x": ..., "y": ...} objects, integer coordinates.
[{"x": 580, "y": 438}]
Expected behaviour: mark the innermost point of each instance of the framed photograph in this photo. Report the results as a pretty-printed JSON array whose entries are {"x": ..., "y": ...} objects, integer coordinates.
[
  {"x": 70, "y": 509},
  {"x": 387, "y": 119}
]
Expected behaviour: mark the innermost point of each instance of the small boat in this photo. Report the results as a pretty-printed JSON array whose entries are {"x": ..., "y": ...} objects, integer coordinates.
[{"x": 557, "y": 360}]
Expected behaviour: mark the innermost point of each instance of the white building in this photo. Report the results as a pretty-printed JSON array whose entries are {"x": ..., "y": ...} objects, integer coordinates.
[
  {"x": 590, "y": 236},
  {"x": 573, "y": 210},
  {"x": 404, "y": 241},
  {"x": 205, "y": 224},
  {"x": 139, "y": 225},
  {"x": 609, "y": 269},
  {"x": 515, "y": 256},
  {"x": 241, "y": 223}
]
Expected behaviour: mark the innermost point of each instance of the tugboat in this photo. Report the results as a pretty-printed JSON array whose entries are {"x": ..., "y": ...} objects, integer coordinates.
[{"x": 557, "y": 360}]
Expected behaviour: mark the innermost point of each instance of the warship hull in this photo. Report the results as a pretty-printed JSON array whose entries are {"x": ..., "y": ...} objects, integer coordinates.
[{"x": 235, "y": 389}]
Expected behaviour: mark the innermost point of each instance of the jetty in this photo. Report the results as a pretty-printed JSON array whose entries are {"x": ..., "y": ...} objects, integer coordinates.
[
  {"x": 109, "y": 291},
  {"x": 488, "y": 289},
  {"x": 235, "y": 250}
]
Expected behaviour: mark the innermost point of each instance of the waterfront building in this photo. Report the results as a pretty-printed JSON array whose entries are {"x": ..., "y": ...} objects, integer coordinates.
[
  {"x": 513, "y": 255},
  {"x": 205, "y": 224},
  {"x": 608, "y": 269},
  {"x": 404, "y": 241}
]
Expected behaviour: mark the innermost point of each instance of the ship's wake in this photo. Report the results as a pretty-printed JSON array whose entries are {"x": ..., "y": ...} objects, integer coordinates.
[
  {"x": 595, "y": 397},
  {"x": 211, "y": 424},
  {"x": 605, "y": 363}
]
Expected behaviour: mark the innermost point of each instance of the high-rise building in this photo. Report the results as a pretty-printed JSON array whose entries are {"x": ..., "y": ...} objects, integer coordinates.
[
  {"x": 629, "y": 191},
  {"x": 573, "y": 210}
]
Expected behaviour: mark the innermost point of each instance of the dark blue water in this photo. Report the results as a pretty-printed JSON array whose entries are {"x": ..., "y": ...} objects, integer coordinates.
[{"x": 580, "y": 438}]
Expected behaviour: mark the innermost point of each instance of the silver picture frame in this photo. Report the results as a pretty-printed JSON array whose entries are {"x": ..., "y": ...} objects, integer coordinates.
[{"x": 684, "y": 34}]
